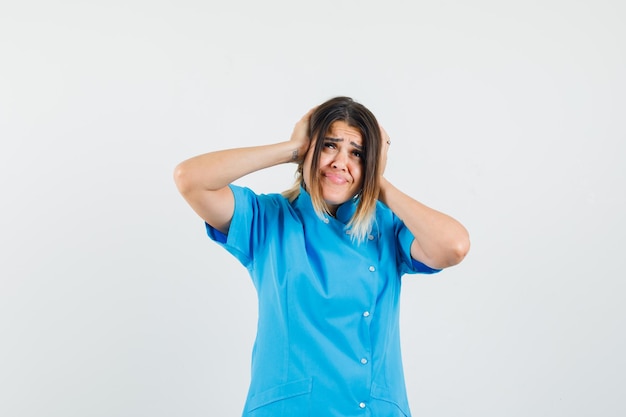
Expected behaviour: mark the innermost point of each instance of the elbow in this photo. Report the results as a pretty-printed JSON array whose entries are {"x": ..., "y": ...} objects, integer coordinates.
[
  {"x": 455, "y": 252},
  {"x": 182, "y": 178},
  {"x": 449, "y": 254},
  {"x": 459, "y": 249}
]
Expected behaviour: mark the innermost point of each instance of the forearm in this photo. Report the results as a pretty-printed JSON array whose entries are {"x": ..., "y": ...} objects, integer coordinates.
[
  {"x": 440, "y": 241},
  {"x": 216, "y": 170}
]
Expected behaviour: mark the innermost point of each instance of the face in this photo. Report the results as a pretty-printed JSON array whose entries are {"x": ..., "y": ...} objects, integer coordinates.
[{"x": 340, "y": 164}]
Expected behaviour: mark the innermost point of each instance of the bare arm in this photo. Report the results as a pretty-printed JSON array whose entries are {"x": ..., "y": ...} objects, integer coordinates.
[
  {"x": 440, "y": 241},
  {"x": 203, "y": 180}
]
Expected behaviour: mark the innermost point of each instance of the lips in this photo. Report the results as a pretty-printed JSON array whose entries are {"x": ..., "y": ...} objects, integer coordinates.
[{"x": 335, "y": 179}]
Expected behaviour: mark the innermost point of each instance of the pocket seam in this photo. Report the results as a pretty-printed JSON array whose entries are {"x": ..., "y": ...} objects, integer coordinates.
[{"x": 280, "y": 392}]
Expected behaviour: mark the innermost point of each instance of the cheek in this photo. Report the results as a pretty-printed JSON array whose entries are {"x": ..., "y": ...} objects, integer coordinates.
[
  {"x": 356, "y": 170},
  {"x": 325, "y": 159}
]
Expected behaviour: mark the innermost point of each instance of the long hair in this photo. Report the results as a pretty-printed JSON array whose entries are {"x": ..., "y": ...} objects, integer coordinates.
[{"x": 358, "y": 116}]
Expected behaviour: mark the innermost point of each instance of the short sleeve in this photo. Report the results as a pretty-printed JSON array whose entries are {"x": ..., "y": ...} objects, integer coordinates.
[
  {"x": 245, "y": 226},
  {"x": 405, "y": 240}
]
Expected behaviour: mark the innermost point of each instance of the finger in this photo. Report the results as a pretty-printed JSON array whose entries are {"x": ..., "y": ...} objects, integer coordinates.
[{"x": 385, "y": 136}]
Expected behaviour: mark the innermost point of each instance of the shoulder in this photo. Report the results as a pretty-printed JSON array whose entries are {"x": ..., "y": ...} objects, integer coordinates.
[
  {"x": 385, "y": 215},
  {"x": 246, "y": 197}
]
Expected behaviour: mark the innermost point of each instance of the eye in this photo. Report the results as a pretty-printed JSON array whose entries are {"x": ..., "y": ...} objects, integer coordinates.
[
  {"x": 358, "y": 154},
  {"x": 329, "y": 145}
]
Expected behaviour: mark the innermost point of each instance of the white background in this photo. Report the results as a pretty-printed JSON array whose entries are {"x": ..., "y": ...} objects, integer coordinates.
[{"x": 508, "y": 115}]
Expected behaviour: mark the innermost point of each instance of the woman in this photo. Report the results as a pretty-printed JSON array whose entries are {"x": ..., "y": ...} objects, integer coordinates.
[{"x": 326, "y": 259}]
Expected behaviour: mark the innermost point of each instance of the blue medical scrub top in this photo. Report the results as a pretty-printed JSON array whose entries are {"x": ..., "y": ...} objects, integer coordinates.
[{"x": 328, "y": 336}]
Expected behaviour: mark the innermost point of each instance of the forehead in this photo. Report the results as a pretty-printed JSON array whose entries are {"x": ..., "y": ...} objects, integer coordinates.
[{"x": 341, "y": 130}]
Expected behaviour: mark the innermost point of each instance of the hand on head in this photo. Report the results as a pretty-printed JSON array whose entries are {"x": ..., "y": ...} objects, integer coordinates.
[{"x": 300, "y": 137}]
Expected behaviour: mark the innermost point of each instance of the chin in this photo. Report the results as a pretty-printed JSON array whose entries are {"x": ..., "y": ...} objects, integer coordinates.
[{"x": 336, "y": 200}]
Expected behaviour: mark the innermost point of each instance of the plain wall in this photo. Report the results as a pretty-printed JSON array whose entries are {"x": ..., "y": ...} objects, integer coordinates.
[{"x": 507, "y": 115}]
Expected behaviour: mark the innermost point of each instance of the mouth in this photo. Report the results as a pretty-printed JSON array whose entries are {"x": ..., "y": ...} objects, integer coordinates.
[{"x": 335, "y": 179}]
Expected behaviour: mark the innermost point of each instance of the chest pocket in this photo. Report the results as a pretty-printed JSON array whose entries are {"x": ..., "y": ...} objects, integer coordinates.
[{"x": 291, "y": 399}]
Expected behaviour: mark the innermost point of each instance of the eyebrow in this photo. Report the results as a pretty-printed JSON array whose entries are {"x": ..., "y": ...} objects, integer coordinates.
[{"x": 356, "y": 145}]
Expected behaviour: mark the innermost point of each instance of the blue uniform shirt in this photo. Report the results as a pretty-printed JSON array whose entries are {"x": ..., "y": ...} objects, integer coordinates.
[{"x": 327, "y": 342}]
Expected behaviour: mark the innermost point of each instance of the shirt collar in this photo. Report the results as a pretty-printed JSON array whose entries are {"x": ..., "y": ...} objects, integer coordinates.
[{"x": 344, "y": 212}]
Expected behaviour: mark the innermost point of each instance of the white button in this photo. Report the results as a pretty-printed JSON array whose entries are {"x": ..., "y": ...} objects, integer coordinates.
[
  {"x": 362, "y": 405},
  {"x": 366, "y": 314},
  {"x": 326, "y": 220},
  {"x": 371, "y": 237},
  {"x": 364, "y": 361},
  {"x": 372, "y": 269}
]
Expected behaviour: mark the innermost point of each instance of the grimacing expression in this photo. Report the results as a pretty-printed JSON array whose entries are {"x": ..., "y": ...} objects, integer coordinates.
[{"x": 340, "y": 164}]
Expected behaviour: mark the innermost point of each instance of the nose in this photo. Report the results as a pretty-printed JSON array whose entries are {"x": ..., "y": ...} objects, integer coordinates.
[{"x": 339, "y": 161}]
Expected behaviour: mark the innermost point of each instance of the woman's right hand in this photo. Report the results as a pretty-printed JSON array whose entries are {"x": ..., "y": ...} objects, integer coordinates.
[{"x": 300, "y": 137}]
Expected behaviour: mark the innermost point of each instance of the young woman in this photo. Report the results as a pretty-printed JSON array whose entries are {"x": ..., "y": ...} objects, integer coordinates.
[{"x": 326, "y": 258}]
